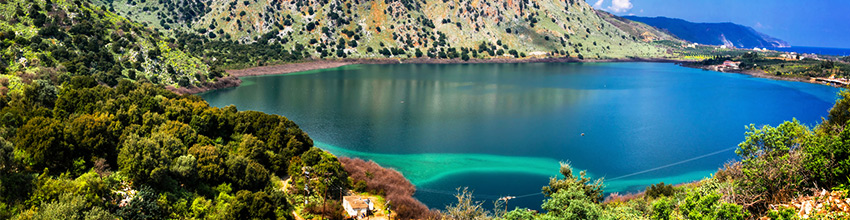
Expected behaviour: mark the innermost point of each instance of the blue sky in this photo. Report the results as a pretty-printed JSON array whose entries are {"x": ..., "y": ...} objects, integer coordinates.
[{"x": 819, "y": 23}]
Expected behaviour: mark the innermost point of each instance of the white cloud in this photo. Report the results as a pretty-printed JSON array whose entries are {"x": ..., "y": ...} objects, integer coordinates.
[
  {"x": 598, "y": 4},
  {"x": 618, "y": 6}
]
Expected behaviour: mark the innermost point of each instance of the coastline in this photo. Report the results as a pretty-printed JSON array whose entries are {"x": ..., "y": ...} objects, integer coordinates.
[
  {"x": 233, "y": 79},
  {"x": 760, "y": 74}
]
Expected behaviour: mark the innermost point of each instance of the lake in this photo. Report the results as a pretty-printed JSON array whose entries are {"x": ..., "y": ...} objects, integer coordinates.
[{"x": 501, "y": 129}]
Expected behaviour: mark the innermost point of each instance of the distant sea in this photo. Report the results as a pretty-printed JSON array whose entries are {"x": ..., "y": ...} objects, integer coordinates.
[{"x": 816, "y": 50}]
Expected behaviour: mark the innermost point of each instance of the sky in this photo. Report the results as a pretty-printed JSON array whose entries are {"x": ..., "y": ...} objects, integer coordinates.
[{"x": 817, "y": 23}]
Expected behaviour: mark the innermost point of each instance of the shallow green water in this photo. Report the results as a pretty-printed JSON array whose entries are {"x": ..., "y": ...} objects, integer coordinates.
[{"x": 502, "y": 128}]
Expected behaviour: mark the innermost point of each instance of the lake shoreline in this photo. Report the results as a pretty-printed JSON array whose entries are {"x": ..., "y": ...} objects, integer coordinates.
[
  {"x": 759, "y": 74},
  {"x": 234, "y": 79}
]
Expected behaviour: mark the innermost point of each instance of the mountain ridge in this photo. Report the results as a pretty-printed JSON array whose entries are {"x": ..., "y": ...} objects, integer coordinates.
[
  {"x": 399, "y": 28},
  {"x": 722, "y": 33}
]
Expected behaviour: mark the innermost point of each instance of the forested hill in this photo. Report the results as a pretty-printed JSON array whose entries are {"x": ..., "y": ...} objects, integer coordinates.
[
  {"x": 88, "y": 130},
  {"x": 44, "y": 39},
  {"x": 396, "y": 28},
  {"x": 729, "y": 34}
]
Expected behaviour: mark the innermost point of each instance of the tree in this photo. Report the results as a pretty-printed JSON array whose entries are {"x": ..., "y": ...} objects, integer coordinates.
[
  {"x": 210, "y": 165},
  {"x": 140, "y": 159},
  {"x": 69, "y": 206},
  {"x": 771, "y": 142},
  {"x": 839, "y": 114},
  {"x": 42, "y": 139},
  {"x": 246, "y": 173},
  {"x": 143, "y": 206},
  {"x": 184, "y": 167},
  {"x": 7, "y": 157},
  {"x": 258, "y": 205},
  {"x": 94, "y": 135},
  {"x": 41, "y": 92}
]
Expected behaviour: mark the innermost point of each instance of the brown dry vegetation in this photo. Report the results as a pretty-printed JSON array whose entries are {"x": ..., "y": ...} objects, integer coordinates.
[{"x": 390, "y": 183}]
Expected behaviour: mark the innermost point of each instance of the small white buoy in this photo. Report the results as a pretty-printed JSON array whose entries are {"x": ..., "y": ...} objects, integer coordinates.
[
  {"x": 402, "y": 101},
  {"x": 582, "y": 134}
]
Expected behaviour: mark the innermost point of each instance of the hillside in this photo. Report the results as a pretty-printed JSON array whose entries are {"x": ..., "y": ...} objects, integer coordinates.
[
  {"x": 401, "y": 28},
  {"x": 645, "y": 32},
  {"x": 729, "y": 34},
  {"x": 51, "y": 38},
  {"x": 88, "y": 130}
]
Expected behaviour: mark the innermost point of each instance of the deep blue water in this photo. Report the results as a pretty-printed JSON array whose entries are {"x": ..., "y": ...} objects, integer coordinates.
[
  {"x": 501, "y": 129},
  {"x": 816, "y": 50}
]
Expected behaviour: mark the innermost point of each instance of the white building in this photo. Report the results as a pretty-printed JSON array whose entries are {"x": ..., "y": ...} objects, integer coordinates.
[{"x": 356, "y": 206}]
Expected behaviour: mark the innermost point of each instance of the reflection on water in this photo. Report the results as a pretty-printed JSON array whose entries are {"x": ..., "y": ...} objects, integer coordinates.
[{"x": 467, "y": 124}]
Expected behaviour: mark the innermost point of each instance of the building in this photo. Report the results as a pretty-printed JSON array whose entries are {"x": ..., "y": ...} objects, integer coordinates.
[
  {"x": 731, "y": 64},
  {"x": 356, "y": 206}
]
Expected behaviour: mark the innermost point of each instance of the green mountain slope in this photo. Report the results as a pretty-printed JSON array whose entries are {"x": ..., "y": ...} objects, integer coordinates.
[
  {"x": 365, "y": 29},
  {"x": 57, "y": 38}
]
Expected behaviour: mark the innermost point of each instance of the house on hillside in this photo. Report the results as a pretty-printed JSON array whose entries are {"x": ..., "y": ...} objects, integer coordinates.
[
  {"x": 731, "y": 64},
  {"x": 356, "y": 206}
]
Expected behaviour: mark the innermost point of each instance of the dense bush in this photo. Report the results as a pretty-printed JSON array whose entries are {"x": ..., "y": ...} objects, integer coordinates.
[
  {"x": 707, "y": 205},
  {"x": 659, "y": 190},
  {"x": 771, "y": 170},
  {"x": 174, "y": 152}
]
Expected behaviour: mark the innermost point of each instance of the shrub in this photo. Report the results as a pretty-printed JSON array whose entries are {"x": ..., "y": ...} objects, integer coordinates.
[
  {"x": 828, "y": 158},
  {"x": 707, "y": 205},
  {"x": 519, "y": 214},
  {"x": 660, "y": 189},
  {"x": 573, "y": 197},
  {"x": 572, "y": 204},
  {"x": 782, "y": 214},
  {"x": 662, "y": 209},
  {"x": 771, "y": 170}
]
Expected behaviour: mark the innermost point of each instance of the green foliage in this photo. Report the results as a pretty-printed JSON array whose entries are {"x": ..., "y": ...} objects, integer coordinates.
[
  {"x": 659, "y": 190},
  {"x": 68, "y": 206},
  {"x": 827, "y": 158},
  {"x": 772, "y": 142},
  {"x": 93, "y": 43},
  {"x": 573, "y": 197},
  {"x": 839, "y": 114},
  {"x": 782, "y": 214},
  {"x": 700, "y": 205},
  {"x": 519, "y": 214},
  {"x": 622, "y": 212},
  {"x": 572, "y": 203},
  {"x": 42, "y": 140},
  {"x": 143, "y": 206},
  {"x": 581, "y": 183},
  {"x": 662, "y": 208},
  {"x": 145, "y": 132}
]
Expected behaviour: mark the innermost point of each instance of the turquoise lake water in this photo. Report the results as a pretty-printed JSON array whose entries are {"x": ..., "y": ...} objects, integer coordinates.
[{"x": 501, "y": 129}]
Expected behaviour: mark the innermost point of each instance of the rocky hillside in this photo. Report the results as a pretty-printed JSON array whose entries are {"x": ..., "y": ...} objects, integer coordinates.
[
  {"x": 729, "y": 34},
  {"x": 51, "y": 39},
  {"x": 398, "y": 28}
]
